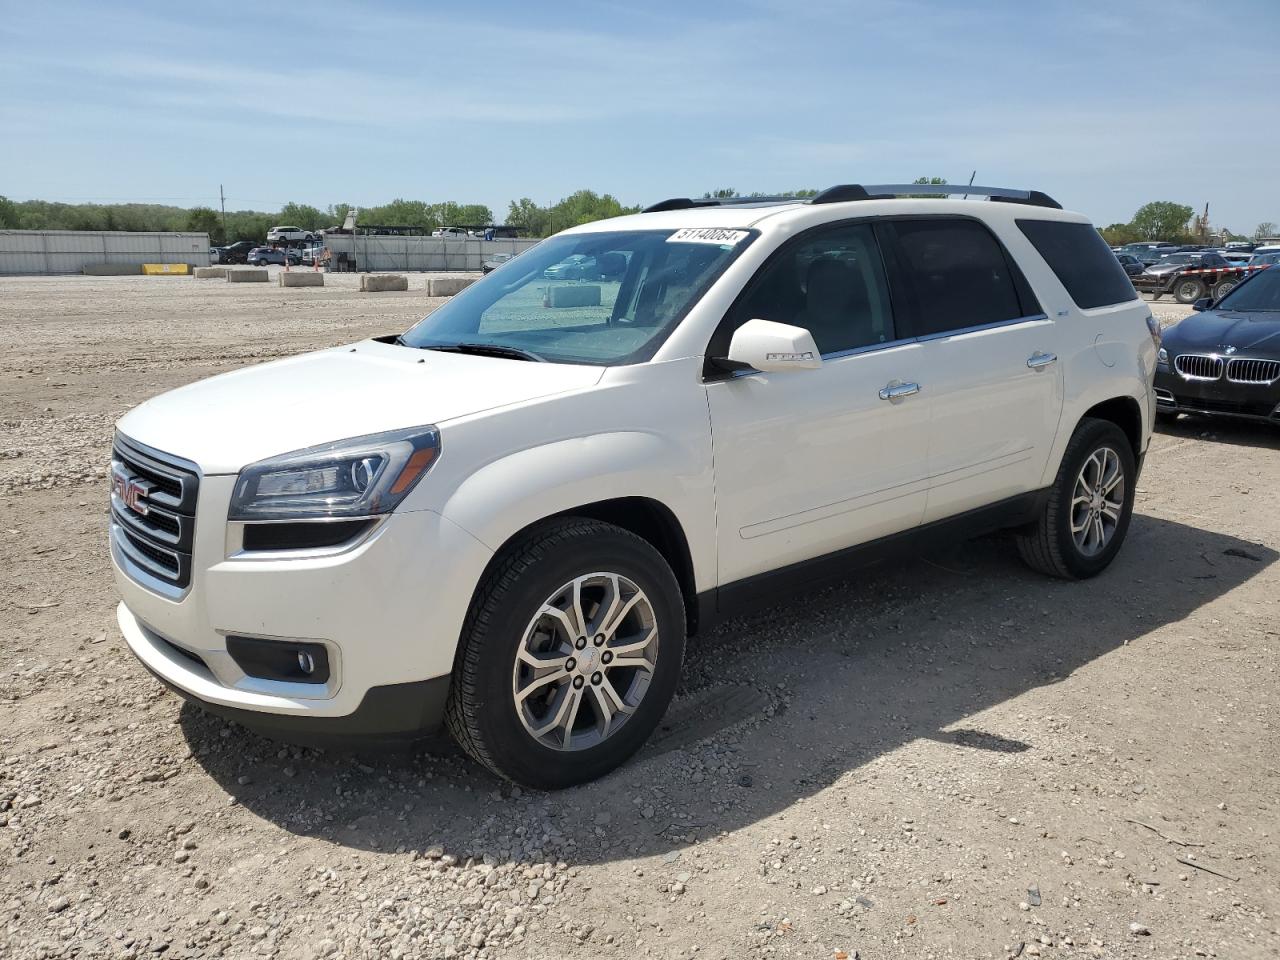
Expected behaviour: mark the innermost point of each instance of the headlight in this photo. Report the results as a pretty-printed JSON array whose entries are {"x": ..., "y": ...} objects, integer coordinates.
[
  {"x": 360, "y": 477},
  {"x": 1162, "y": 356}
]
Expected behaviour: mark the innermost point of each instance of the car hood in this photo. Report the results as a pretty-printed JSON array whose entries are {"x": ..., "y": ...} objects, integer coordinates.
[
  {"x": 1215, "y": 330},
  {"x": 231, "y": 420},
  {"x": 1164, "y": 268}
]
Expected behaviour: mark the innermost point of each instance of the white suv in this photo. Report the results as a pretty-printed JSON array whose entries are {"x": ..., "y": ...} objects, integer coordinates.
[
  {"x": 511, "y": 517},
  {"x": 287, "y": 234}
]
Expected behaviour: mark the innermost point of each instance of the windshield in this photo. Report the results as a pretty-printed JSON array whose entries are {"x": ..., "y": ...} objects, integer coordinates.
[
  {"x": 595, "y": 298},
  {"x": 1264, "y": 259},
  {"x": 1262, "y": 292}
]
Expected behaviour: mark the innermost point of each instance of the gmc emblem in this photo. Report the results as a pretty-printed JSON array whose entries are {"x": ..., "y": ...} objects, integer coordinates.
[{"x": 132, "y": 493}]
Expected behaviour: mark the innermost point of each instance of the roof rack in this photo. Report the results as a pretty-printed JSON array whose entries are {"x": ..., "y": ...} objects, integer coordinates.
[
  {"x": 686, "y": 203},
  {"x": 856, "y": 191}
]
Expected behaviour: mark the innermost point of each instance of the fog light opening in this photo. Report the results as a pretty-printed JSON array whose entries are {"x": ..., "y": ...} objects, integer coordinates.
[{"x": 306, "y": 662}]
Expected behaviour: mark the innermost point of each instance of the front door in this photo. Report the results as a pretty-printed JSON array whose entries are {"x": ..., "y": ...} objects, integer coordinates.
[{"x": 809, "y": 462}]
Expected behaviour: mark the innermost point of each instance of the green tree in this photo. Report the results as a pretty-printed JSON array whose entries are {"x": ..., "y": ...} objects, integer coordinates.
[
  {"x": 529, "y": 218},
  {"x": 932, "y": 181},
  {"x": 8, "y": 214},
  {"x": 724, "y": 193},
  {"x": 1265, "y": 229},
  {"x": 1161, "y": 220},
  {"x": 1118, "y": 234},
  {"x": 586, "y": 206},
  {"x": 205, "y": 220}
]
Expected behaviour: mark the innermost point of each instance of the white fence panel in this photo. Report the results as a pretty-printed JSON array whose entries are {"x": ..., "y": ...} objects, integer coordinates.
[{"x": 70, "y": 251}]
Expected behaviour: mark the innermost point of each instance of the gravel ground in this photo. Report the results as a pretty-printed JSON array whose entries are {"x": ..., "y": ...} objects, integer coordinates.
[{"x": 950, "y": 757}]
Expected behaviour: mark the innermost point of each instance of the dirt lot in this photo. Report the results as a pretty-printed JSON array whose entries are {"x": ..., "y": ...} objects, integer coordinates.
[{"x": 947, "y": 758}]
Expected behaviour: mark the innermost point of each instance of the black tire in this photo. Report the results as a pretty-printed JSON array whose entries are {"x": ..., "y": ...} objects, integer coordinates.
[
  {"x": 1222, "y": 288},
  {"x": 481, "y": 714},
  {"x": 1047, "y": 545},
  {"x": 1188, "y": 290}
]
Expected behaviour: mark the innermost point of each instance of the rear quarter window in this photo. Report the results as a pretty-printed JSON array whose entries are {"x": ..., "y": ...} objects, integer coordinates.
[{"x": 1082, "y": 261}]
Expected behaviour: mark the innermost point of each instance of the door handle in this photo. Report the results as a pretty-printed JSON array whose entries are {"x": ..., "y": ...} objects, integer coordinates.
[
  {"x": 897, "y": 390},
  {"x": 1038, "y": 360}
]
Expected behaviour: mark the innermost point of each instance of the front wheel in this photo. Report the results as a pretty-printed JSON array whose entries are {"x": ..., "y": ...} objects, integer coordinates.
[
  {"x": 1086, "y": 515},
  {"x": 1188, "y": 291},
  {"x": 569, "y": 656}
]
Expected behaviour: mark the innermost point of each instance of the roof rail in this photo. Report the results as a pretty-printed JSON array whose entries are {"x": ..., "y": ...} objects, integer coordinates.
[
  {"x": 685, "y": 203},
  {"x": 856, "y": 191}
]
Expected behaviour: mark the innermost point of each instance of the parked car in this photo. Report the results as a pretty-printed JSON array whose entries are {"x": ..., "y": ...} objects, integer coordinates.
[
  {"x": 261, "y": 256},
  {"x": 289, "y": 235},
  {"x": 1237, "y": 258},
  {"x": 310, "y": 254},
  {"x": 1259, "y": 260},
  {"x": 1149, "y": 253},
  {"x": 237, "y": 252},
  {"x": 575, "y": 267},
  {"x": 1224, "y": 360},
  {"x": 450, "y": 233},
  {"x": 1132, "y": 265},
  {"x": 510, "y": 522},
  {"x": 493, "y": 262}
]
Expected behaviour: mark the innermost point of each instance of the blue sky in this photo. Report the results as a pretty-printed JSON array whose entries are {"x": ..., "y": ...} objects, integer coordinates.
[{"x": 1101, "y": 104}]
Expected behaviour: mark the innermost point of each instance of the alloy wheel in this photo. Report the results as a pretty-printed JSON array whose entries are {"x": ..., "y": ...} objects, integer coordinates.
[
  {"x": 1097, "y": 501},
  {"x": 585, "y": 661}
]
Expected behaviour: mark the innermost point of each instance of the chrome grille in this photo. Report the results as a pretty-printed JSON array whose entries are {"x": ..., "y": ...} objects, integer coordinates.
[
  {"x": 155, "y": 535},
  {"x": 1253, "y": 371},
  {"x": 1194, "y": 366}
]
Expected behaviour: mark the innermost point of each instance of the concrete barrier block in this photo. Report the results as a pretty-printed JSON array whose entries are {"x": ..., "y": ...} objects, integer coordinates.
[
  {"x": 377, "y": 282},
  {"x": 584, "y": 295},
  {"x": 166, "y": 269},
  {"x": 447, "y": 286},
  {"x": 247, "y": 275},
  {"x": 112, "y": 269},
  {"x": 211, "y": 273},
  {"x": 301, "y": 278}
]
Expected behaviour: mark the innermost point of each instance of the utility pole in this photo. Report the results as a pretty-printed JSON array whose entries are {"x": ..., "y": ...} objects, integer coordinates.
[{"x": 222, "y": 199}]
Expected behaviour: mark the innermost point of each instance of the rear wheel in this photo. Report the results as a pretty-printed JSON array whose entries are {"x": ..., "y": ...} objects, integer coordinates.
[
  {"x": 1188, "y": 290},
  {"x": 1087, "y": 513},
  {"x": 570, "y": 654},
  {"x": 1222, "y": 288}
]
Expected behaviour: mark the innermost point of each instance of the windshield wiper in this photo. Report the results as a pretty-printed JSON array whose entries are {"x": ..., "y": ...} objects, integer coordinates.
[{"x": 489, "y": 350}]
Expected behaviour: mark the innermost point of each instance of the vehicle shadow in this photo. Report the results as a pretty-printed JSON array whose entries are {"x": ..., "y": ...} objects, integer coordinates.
[
  {"x": 1244, "y": 433},
  {"x": 834, "y": 679}
]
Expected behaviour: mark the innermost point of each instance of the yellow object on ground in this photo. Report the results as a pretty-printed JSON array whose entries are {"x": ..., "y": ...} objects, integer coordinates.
[{"x": 161, "y": 269}]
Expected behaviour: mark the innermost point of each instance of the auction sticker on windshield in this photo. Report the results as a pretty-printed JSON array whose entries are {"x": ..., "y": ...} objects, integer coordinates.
[{"x": 708, "y": 235}]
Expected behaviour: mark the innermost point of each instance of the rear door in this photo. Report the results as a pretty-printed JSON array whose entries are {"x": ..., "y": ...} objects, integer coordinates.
[
  {"x": 989, "y": 363},
  {"x": 809, "y": 462}
]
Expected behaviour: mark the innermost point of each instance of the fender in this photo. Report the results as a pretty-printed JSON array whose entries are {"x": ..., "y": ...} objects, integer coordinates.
[
  {"x": 1105, "y": 370},
  {"x": 509, "y": 494}
]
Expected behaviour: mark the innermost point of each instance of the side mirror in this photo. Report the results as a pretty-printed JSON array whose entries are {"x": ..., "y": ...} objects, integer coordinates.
[
  {"x": 774, "y": 347},
  {"x": 1202, "y": 304}
]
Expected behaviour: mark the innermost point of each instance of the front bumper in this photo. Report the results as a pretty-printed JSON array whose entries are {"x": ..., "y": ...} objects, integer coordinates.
[
  {"x": 1220, "y": 398},
  {"x": 388, "y": 610}
]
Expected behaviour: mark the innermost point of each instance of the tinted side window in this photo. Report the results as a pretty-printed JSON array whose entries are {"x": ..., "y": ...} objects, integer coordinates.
[
  {"x": 832, "y": 283},
  {"x": 958, "y": 273},
  {"x": 1082, "y": 261}
]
